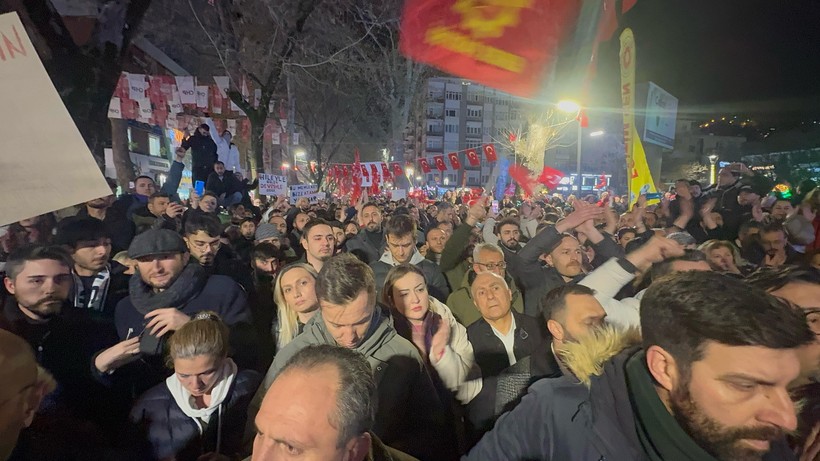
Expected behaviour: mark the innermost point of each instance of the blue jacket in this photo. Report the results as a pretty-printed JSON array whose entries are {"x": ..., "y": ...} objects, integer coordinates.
[{"x": 160, "y": 429}]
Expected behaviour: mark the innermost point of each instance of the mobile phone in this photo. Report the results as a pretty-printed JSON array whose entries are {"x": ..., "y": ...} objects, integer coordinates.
[
  {"x": 495, "y": 207},
  {"x": 199, "y": 187},
  {"x": 654, "y": 196}
]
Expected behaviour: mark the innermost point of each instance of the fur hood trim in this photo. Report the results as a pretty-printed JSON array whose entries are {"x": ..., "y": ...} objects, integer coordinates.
[{"x": 587, "y": 357}]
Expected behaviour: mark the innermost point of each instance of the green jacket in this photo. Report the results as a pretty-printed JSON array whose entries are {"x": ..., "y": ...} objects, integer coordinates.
[{"x": 464, "y": 309}]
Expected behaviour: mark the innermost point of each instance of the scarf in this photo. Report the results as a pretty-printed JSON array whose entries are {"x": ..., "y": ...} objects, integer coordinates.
[
  {"x": 219, "y": 393},
  {"x": 189, "y": 282},
  {"x": 99, "y": 290},
  {"x": 660, "y": 435}
]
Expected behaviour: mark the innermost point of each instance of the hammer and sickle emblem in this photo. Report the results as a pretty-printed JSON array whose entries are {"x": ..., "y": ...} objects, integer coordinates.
[{"x": 488, "y": 18}]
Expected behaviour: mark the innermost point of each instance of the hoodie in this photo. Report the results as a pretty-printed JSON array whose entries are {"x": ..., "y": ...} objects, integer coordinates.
[
  {"x": 436, "y": 283},
  {"x": 409, "y": 415}
]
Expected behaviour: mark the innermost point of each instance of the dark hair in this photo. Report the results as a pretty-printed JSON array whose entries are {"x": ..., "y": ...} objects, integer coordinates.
[
  {"x": 683, "y": 311},
  {"x": 772, "y": 225},
  {"x": 336, "y": 224},
  {"x": 750, "y": 224},
  {"x": 665, "y": 267},
  {"x": 395, "y": 273},
  {"x": 506, "y": 222},
  {"x": 142, "y": 176},
  {"x": 74, "y": 230},
  {"x": 369, "y": 204},
  {"x": 774, "y": 278},
  {"x": 625, "y": 230},
  {"x": 267, "y": 250},
  {"x": 400, "y": 226},
  {"x": 157, "y": 195},
  {"x": 313, "y": 222},
  {"x": 209, "y": 193},
  {"x": 343, "y": 278},
  {"x": 203, "y": 222},
  {"x": 355, "y": 398},
  {"x": 219, "y": 162},
  {"x": 555, "y": 301},
  {"x": 19, "y": 257}
]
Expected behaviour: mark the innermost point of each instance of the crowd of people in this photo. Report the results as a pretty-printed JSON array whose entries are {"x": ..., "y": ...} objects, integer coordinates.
[{"x": 226, "y": 327}]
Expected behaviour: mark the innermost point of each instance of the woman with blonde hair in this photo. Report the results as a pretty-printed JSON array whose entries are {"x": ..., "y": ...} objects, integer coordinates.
[
  {"x": 199, "y": 412},
  {"x": 296, "y": 301},
  {"x": 431, "y": 327},
  {"x": 725, "y": 257}
]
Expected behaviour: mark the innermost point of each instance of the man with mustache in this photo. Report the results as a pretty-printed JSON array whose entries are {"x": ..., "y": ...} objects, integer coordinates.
[{"x": 707, "y": 381}]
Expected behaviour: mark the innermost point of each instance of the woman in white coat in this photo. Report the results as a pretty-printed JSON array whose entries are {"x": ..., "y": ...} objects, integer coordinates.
[{"x": 431, "y": 326}]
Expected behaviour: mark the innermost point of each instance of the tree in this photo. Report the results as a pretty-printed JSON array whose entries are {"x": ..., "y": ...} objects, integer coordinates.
[
  {"x": 86, "y": 75},
  {"x": 543, "y": 129}
]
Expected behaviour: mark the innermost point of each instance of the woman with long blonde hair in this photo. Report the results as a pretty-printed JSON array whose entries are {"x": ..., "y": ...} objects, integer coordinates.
[{"x": 296, "y": 301}]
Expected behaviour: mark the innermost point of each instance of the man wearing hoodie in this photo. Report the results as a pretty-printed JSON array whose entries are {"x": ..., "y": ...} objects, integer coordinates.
[
  {"x": 400, "y": 234},
  {"x": 708, "y": 382},
  {"x": 409, "y": 415},
  {"x": 225, "y": 148}
]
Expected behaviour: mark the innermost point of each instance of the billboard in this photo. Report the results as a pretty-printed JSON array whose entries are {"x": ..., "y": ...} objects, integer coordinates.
[{"x": 661, "y": 111}]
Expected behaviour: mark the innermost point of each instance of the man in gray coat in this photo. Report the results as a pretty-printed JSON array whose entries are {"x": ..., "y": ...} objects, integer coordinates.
[{"x": 410, "y": 416}]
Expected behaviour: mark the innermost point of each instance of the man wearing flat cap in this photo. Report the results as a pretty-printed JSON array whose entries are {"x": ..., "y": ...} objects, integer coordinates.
[{"x": 164, "y": 294}]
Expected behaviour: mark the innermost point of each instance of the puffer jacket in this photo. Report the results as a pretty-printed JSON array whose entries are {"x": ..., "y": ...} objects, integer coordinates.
[
  {"x": 464, "y": 308},
  {"x": 160, "y": 429},
  {"x": 409, "y": 416}
]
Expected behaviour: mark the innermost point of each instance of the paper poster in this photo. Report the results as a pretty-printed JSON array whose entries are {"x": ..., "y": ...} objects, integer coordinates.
[
  {"x": 303, "y": 190},
  {"x": 145, "y": 110},
  {"x": 398, "y": 194},
  {"x": 275, "y": 138},
  {"x": 232, "y": 126},
  {"x": 175, "y": 103},
  {"x": 187, "y": 90},
  {"x": 137, "y": 85},
  {"x": 223, "y": 83},
  {"x": 115, "y": 108},
  {"x": 53, "y": 169},
  {"x": 202, "y": 97},
  {"x": 272, "y": 185}
]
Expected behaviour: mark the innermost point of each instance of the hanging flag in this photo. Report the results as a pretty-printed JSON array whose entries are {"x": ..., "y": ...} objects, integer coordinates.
[
  {"x": 523, "y": 177},
  {"x": 397, "y": 171},
  {"x": 509, "y": 45},
  {"x": 439, "y": 159},
  {"x": 489, "y": 152},
  {"x": 453, "y": 156},
  {"x": 136, "y": 86},
  {"x": 550, "y": 177},
  {"x": 114, "y": 108},
  {"x": 425, "y": 165},
  {"x": 374, "y": 173},
  {"x": 386, "y": 172},
  {"x": 202, "y": 97},
  {"x": 472, "y": 157},
  {"x": 187, "y": 90}
]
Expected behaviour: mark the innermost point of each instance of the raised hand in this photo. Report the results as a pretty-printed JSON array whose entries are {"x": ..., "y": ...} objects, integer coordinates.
[
  {"x": 165, "y": 320},
  {"x": 440, "y": 340}
]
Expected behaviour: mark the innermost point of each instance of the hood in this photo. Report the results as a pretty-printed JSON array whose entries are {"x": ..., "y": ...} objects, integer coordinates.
[
  {"x": 378, "y": 333},
  {"x": 586, "y": 358},
  {"x": 387, "y": 258}
]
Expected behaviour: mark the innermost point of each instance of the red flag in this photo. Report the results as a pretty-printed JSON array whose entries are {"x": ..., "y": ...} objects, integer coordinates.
[
  {"x": 512, "y": 137},
  {"x": 472, "y": 157},
  {"x": 583, "y": 118},
  {"x": 505, "y": 45},
  {"x": 345, "y": 172},
  {"x": 425, "y": 165},
  {"x": 523, "y": 177},
  {"x": 397, "y": 171},
  {"x": 439, "y": 159},
  {"x": 489, "y": 152},
  {"x": 374, "y": 170},
  {"x": 385, "y": 172},
  {"x": 454, "y": 160},
  {"x": 601, "y": 181},
  {"x": 550, "y": 177},
  {"x": 365, "y": 174}
]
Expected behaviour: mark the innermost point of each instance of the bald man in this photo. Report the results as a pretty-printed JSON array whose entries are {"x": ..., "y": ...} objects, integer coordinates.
[{"x": 22, "y": 390}]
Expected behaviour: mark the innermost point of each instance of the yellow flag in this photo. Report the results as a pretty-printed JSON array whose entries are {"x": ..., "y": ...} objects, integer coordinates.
[{"x": 640, "y": 178}]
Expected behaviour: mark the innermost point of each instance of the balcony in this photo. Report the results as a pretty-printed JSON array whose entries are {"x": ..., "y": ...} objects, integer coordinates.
[
  {"x": 435, "y": 131},
  {"x": 438, "y": 97},
  {"x": 434, "y": 115}
]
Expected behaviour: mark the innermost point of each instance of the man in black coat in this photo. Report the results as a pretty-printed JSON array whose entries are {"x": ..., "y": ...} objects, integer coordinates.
[
  {"x": 224, "y": 184},
  {"x": 203, "y": 153}
]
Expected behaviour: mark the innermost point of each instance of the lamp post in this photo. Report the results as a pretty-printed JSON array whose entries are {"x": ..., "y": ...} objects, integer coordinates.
[
  {"x": 572, "y": 107},
  {"x": 712, "y": 171}
]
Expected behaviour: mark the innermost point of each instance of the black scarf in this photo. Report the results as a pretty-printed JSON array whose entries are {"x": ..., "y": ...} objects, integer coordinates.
[{"x": 189, "y": 282}]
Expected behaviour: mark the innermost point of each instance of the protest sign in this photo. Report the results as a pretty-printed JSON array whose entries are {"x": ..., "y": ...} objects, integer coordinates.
[
  {"x": 272, "y": 185},
  {"x": 53, "y": 169},
  {"x": 398, "y": 194},
  {"x": 302, "y": 190}
]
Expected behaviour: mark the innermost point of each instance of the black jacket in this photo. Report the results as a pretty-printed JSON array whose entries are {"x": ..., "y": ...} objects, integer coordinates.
[
  {"x": 228, "y": 185},
  {"x": 491, "y": 357},
  {"x": 160, "y": 429},
  {"x": 119, "y": 228},
  {"x": 203, "y": 150}
]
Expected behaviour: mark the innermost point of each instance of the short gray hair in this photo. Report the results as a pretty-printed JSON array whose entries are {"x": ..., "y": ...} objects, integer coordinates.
[
  {"x": 355, "y": 400},
  {"x": 486, "y": 246}
]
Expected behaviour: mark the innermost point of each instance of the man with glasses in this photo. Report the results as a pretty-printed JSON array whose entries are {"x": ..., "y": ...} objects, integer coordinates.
[
  {"x": 202, "y": 234},
  {"x": 486, "y": 258}
]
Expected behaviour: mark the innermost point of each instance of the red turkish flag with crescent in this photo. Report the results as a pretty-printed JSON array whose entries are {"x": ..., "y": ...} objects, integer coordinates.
[
  {"x": 374, "y": 170},
  {"x": 439, "y": 159},
  {"x": 509, "y": 45},
  {"x": 454, "y": 160},
  {"x": 550, "y": 177},
  {"x": 472, "y": 157},
  {"x": 385, "y": 172},
  {"x": 365, "y": 173},
  {"x": 489, "y": 152},
  {"x": 397, "y": 171},
  {"x": 425, "y": 165}
]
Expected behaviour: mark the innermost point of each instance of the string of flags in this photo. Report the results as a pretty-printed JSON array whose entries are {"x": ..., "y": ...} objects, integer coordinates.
[{"x": 471, "y": 154}]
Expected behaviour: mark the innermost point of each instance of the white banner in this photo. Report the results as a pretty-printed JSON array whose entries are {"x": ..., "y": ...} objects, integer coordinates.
[
  {"x": 145, "y": 110},
  {"x": 302, "y": 190},
  {"x": 137, "y": 85},
  {"x": 272, "y": 185},
  {"x": 202, "y": 97},
  {"x": 398, "y": 194},
  {"x": 175, "y": 103},
  {"x": 115, "y": 108},
  {"x": 53, "y": 169},
  {"x": 275, "y": 139},
  {"x": 187, "y": 92},
  {"x": 232, "y": 126},
  {"x": 223, "y": 83}
]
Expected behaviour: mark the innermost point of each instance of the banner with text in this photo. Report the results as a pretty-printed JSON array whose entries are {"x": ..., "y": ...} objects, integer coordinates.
[{"x": 272, "y": 185}]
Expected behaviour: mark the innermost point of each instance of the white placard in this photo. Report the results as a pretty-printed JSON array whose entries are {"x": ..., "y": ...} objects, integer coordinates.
[
  {"x": 49, "y": 171},
  {"x": 202, "y": 97},
  {"x": 136, "y": 86},
  {"x": 398, "y": 194},
  {"x": 187, "y": 90},
  {"x": 115, "y": 108},
  {"x": 272, "y": 185}
]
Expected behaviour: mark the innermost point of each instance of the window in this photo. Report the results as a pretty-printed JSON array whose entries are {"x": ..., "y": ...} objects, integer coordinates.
[
  {"x": 451, "y": 112},
  {"x": 475, "y": 97},
  {"x": 451, "y": 128},
  {"x": 433, "y": 143},
  {"x": 453, "y": 95},
  {"x": 473, "y": 130},
  {"x": 471, "y": 112},
  {"x": 154, "y": 145},
  {"x": 473, "y": 144},
  {"x": 451, "y": 178},
  {"x": 486, "y": 131}
]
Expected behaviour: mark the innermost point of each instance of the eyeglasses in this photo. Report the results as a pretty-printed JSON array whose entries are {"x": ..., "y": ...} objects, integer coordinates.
[
  {"x": 493, "y": 266},
  {"x": 199, "y": 245}
]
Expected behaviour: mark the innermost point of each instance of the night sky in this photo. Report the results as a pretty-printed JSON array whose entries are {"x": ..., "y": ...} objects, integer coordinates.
[{"x": 724, "y": 56}]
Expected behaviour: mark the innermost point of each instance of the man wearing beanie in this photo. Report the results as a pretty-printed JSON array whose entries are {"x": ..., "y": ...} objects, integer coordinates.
[
  {"x": 166, "y": 292},
  {"x": 268, "y": 233}
]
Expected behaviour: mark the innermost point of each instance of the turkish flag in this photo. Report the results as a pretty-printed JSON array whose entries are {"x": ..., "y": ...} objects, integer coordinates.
[
  {"x": 583, "y": 119},
  {"x": 472, "y": 157},
  {"x": 439, "y": 159},
  {"x": 345, "y": 172},
  {"x": 365, "y": 174},
  {"x": 397, "y": 171},
  {"x": 523, "y": 177},
  {"x": 550, "y": 177},
  {"x": 425, "y": 166},
  {"x": 374, "y": 170},
  {"x": 454, "y": 160},
  {"x": 601, "y": 181},
  {"x": 505, "y": 45},
  {"x": 385, "y": 172},
  {"x": 489, "y": 152}
]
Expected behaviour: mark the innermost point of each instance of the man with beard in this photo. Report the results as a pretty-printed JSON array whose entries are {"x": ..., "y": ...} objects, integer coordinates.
[
  {"x": 571, "y": 312},
  {"x": 508, "y": 232},
  {"x": 295, "y": 235},
  {"x": 266, "y": 260},
  {"x": 202, "y": 236},
  {"x": 40, "y": 280},
  {"x": 339, "y": 235},
  {"x": 436, "y": 240},
  {"x": 368, "y": 245},
  {"x": 302, "y": 206},
  {"x": 247, "y": 235},
  {"x": 318, "y": 242},
  {"x": 708, "y": 382}
]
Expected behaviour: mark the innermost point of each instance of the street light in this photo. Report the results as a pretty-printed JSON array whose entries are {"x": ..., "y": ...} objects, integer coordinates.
[
  {"x": 572, "y": 107},
  {"x": 285, "y": 165},
  {"x": 300, "y": 153},
  {"x": 408, "y": 171},
  {"x": 712, "y": 171},
  {"x": 595, "y": 134}
]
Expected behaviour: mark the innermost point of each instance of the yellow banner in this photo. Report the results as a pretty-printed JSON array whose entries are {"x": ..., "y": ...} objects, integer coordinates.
[{"x": 639, "y": 177}]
